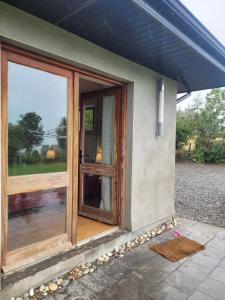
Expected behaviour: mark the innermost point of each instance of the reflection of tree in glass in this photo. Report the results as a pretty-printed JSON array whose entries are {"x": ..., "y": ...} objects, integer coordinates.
[
  {"x": 61, "y": 132},
  {"x": 32, "y": 131},
  {"x": 89, "y": 118},
  {"x": 15, "y": 144},
  {"x": 27, "y": 134}
]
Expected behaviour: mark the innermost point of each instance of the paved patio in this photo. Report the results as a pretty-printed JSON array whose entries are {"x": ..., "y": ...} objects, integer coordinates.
[{"x": 143, "y": 274}]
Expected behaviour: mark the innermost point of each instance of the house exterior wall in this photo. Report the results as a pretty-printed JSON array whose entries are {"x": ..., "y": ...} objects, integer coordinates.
[{"x": 150, "y": 170}]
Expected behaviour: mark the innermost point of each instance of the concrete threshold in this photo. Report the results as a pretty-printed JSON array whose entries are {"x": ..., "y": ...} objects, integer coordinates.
[{"x": 22, "y": 280}]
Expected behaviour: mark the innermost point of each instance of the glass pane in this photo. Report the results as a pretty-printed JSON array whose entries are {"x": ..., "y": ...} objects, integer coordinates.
[
  {"x": 98, "y": 191},
  {"x": 37, "y": 116},
  {"x": 89, "y": 118},
  {"x": 98, "y": 130},
  {"x": 36, "y": 216}
]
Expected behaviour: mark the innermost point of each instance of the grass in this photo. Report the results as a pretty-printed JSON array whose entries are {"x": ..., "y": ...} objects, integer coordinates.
[{"x": 28, "y": 169}]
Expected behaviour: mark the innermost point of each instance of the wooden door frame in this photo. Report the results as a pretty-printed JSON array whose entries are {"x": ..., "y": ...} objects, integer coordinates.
[
  {"x": 36, "y": 182},
  {"x": 54, "y": 245},
  {"x": 111, "y": 171}
]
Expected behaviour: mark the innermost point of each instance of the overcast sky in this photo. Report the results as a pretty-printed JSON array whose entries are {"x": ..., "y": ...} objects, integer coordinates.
[
  {"x": 211, "y": 14},
  {"x": 32, "y": 90}
]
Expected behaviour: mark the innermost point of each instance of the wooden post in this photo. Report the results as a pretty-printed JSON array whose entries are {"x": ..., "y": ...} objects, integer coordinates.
[{"x": 75, "y": 155}]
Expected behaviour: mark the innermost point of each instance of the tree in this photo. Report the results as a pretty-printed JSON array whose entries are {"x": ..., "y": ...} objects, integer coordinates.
[
  {"x": 210, "y": 128},
  {"x": 14, "y": 141},
  {"x": 61, "y": 132},
  {"x": 31, "y": 131},
  {"x": 206, "y": 124},
  {"x": 194, "y": 111},
  {"x": 212, "y": 118},
  {"x": 183, "y": 129}
]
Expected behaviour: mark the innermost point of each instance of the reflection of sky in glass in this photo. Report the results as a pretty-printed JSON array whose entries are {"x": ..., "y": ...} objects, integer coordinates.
[{"x": 32, "y": 90}]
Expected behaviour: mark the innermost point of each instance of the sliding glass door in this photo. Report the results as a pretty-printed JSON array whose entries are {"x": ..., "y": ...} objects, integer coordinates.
[{"x": 37, "y": 151}]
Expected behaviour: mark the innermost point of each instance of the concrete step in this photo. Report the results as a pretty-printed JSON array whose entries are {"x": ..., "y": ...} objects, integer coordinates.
[{"x": 20, "y": 281}]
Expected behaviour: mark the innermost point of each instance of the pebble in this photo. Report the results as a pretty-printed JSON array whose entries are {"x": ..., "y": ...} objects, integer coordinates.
[
  {"x": 88, "y": 265},
  {"x": 31, "y": 292},
  {"x": 153, "y": 233},
  {"x": 53, "y": 286},
  {"x": 65, "y": 282},
  {"x": 42, "y": 288},
  {"x": 59, "y": 281},
  {"x": 100, "y": 259},
  {"x": 84, "y": 269}
]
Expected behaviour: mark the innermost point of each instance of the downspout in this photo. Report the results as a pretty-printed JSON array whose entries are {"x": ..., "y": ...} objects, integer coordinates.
[{"x": 161, "y": 85}]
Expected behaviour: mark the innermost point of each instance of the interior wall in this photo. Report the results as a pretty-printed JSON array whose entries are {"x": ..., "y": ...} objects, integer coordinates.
[{"x": 150, "y": 170}]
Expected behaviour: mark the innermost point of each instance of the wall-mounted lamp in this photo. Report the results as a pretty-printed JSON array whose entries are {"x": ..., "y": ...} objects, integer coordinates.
[{"x": 160, "y": 121}]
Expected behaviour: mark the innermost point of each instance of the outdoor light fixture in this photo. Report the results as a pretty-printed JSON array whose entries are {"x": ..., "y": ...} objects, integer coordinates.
[{"x": 161, "y": 84}]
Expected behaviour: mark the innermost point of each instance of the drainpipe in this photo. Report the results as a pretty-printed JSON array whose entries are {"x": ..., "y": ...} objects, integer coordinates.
[{"x": 161, "y": 84}]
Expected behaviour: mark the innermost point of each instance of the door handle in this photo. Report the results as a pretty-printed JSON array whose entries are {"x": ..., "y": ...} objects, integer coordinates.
[{"x": 82, "y": 156}]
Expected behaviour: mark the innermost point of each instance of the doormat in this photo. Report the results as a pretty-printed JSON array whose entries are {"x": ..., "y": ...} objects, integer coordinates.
[{"x": 177, "y": 248}]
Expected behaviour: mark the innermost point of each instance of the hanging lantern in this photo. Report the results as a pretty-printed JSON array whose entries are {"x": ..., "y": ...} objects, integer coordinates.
[
  {"x": 98, "y": 158},
  {"x": 51, "y": 153}
]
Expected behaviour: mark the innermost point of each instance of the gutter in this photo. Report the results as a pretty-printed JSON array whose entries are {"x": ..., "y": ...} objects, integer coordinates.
[
  {"x": 184, "y": 97},
  {"x": 182, "y": 12},
  {"x": 154, "y": 14}
]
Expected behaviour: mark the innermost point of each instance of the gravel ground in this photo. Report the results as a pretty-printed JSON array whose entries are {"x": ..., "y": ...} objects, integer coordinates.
[{"x": 200, "y": 192}]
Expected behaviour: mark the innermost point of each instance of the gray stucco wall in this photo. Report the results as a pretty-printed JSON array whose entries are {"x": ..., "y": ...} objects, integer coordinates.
[{"x": 150, "y": 159}]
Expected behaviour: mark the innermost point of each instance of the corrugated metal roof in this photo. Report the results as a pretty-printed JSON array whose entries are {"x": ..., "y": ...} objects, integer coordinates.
[{"x": 161, "y": 35}]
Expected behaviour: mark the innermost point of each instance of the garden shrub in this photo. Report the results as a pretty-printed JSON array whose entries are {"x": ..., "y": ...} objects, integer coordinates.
[{"x": 214, "y": 153}]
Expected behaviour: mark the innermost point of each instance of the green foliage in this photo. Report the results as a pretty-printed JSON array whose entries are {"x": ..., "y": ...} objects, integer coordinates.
[
  {"x": 61, "y": 132},
  {"x": 35, "y": 157},
  {"x": 36, "y": 168},
  {"x": 32, "y": 131},
  {"x": 89, "y": 118},
  {"x": 183, "y": 129},
  {"x": 207, "y": 125},
  {"x": 213, "y": 154},
  {"x": 14, "y": 140},
  {"x": 211, "y": 125},
  {"x": 26, "y": 134},
  {"x": 200, "y": 154}
]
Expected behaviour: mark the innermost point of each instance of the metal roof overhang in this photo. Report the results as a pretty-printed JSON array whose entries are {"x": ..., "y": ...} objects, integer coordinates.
[{"x": 161, "y": 35}]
